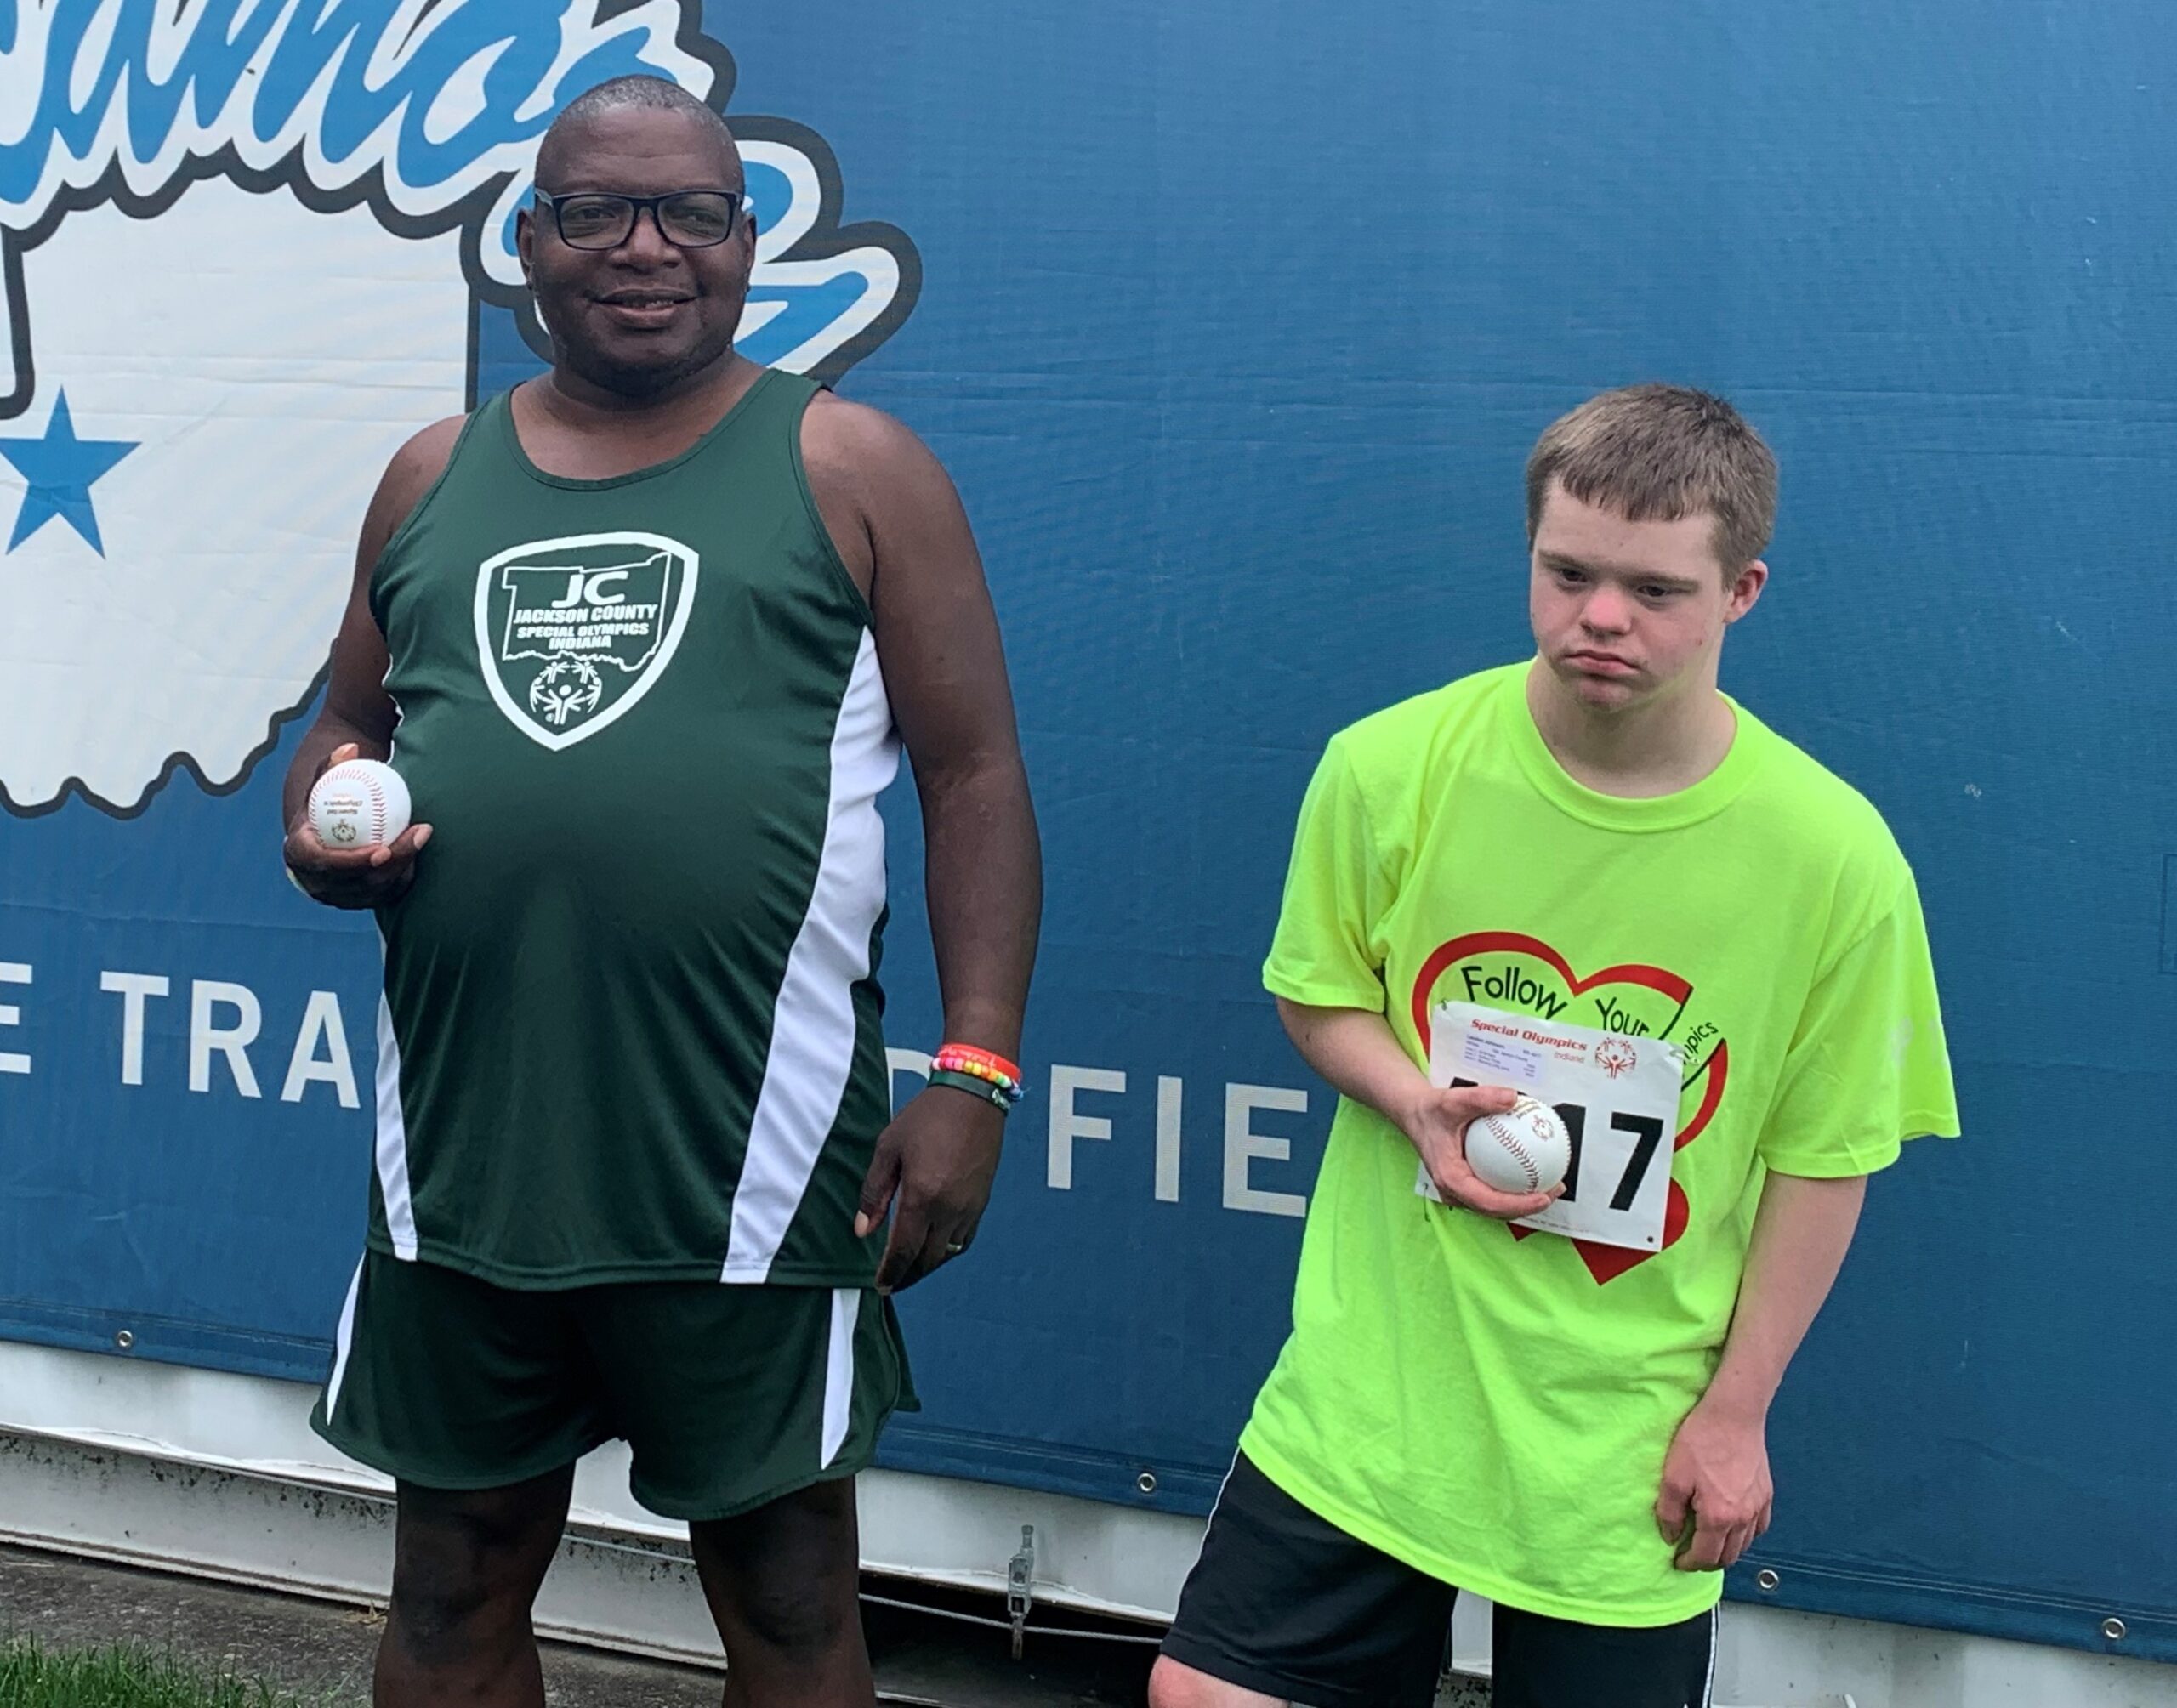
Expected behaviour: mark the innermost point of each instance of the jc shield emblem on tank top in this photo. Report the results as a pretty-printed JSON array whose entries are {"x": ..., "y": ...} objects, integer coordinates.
[{"x": 573, "y": 632}]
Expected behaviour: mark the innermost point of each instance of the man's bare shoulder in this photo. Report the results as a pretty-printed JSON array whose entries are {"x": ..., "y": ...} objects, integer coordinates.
[
  {"x": 421, "y": 461},
  {"x": 408, "y": 476},
  {"x": 852, "y": 449}
]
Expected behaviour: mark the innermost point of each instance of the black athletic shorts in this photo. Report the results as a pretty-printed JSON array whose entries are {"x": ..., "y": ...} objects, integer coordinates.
[{"x": 1286, "y": 1603}]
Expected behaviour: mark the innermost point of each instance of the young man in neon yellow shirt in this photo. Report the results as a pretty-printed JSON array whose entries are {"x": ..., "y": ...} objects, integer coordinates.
[{"x": 1594, "y": 857}]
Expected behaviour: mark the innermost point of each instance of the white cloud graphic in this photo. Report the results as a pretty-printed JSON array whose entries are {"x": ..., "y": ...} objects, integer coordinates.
[{"x": 266, "y": 360}]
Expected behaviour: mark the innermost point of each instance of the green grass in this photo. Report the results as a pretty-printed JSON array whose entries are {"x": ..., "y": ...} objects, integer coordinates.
[{"x": 124, "y": 1676}]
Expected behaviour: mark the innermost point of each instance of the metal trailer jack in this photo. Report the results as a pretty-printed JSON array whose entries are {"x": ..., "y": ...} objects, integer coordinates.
[{"x": 1020, "y": 1587}]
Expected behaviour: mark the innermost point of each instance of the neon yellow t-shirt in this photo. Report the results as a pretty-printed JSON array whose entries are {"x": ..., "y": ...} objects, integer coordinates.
[{"x": 1494, "y": 1410}]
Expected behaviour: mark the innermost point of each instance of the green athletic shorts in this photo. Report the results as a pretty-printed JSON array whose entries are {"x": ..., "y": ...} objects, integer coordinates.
[{"x": 729, "y": 1396}]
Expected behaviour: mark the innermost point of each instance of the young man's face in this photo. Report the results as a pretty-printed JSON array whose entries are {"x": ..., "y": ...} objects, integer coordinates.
[{"x": 1627, "y": 613}]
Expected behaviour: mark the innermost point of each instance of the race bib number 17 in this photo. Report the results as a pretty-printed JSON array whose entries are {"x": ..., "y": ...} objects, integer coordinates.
[{"x": 1619, "y": 1097}]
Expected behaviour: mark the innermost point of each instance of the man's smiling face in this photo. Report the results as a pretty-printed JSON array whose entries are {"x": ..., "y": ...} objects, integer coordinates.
[{"x": 636, "y": 318}]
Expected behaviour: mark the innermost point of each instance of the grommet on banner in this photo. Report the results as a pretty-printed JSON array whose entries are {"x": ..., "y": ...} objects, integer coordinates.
[
  {"x": 124, "y": 1339},
  {"x": 2114, "y": 1629},
  {"x": 1766, "y": 1580},
  {"x": 1146, "y": 1482}
]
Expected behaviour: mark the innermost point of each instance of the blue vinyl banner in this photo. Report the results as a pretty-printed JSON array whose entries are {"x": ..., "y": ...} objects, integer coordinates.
[{"x": 1233, "y": 326}]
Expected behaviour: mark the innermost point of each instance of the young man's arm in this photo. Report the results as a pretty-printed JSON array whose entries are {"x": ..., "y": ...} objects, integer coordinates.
[
  {"x": 1716, "y": 1475},
  {"x": 356, "y": 719},
  {"x": 904, "y": 538},
  {"x": 1356, "y": 1050}
]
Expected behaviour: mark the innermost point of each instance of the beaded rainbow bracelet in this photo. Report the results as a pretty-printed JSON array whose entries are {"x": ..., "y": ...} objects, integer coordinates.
[{"x": 990, "y": 1068}]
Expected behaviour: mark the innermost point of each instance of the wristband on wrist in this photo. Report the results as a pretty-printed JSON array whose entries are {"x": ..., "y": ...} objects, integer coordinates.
[
  {"x": 980, "y": 1065},
  {"x": 984, "y": 1089}
]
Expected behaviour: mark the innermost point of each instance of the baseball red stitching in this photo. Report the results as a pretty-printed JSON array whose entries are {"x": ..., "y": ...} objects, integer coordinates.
[{"x": 1511, "y": 1143}]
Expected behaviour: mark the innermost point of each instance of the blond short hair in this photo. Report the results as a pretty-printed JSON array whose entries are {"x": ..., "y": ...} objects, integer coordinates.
[{"x": 1660, "y": 453}]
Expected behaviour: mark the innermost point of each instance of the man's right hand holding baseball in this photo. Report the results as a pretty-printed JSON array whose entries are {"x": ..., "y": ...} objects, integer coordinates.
[
  {"x": 350, "y": 877},
  {"x": 1436, "y": 1122},
  {"x": 1355, "y": 1050}
]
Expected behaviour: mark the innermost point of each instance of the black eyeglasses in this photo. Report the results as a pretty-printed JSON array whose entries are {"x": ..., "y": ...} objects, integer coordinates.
[{"x": 685, "y": 218}]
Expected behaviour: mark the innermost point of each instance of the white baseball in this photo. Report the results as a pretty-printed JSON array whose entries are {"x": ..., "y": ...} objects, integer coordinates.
[
  {"x": 1524, "y": 1150},
  {"x": 358, "y": 803}
]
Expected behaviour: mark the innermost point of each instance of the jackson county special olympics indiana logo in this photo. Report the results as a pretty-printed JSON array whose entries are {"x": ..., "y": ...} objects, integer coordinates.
[
  {"x": 572, "y": 632},
  {"x": 247, "y": 247}
]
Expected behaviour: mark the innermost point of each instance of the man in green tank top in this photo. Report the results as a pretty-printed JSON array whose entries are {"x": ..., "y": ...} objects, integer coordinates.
[{"x": 645, "y": 638}]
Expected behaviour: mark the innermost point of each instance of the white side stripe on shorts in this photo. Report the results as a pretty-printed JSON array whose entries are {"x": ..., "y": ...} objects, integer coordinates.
[
  {"x": 392, "y": 1140},
  {"x": 838, "y": 1373},
  {"x": 1223, "y": 1483},
  {"x": 1708, "y": 1690},
  {"x": 344, "y": 1337}
]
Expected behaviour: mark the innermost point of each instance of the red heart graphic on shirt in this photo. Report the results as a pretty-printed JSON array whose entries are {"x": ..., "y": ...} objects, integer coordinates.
[{"x": 1605, "y": 1262}]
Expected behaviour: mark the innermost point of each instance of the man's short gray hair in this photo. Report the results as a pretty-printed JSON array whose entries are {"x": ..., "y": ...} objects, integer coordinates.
[{"x": 637, "y": 93}]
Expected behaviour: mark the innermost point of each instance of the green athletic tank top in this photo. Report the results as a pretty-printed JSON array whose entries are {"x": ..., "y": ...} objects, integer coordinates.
[{"x": 630, "y": 1028}]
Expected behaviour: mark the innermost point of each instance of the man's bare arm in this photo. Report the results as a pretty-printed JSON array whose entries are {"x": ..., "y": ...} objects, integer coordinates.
[
  {"x": 357, "y": 716},
  {"x": 904, "y": 536},
  {"x": 1717, "y": 1473}
]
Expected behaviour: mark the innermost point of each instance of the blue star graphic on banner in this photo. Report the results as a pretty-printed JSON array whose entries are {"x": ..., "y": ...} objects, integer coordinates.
[{"x": 60, "y": 468}]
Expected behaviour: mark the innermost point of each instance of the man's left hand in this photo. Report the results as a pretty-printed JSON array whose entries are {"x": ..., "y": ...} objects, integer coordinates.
[
  {"x": 1716, "y": 1496},
  {"x": 933, "y": 1167}
]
